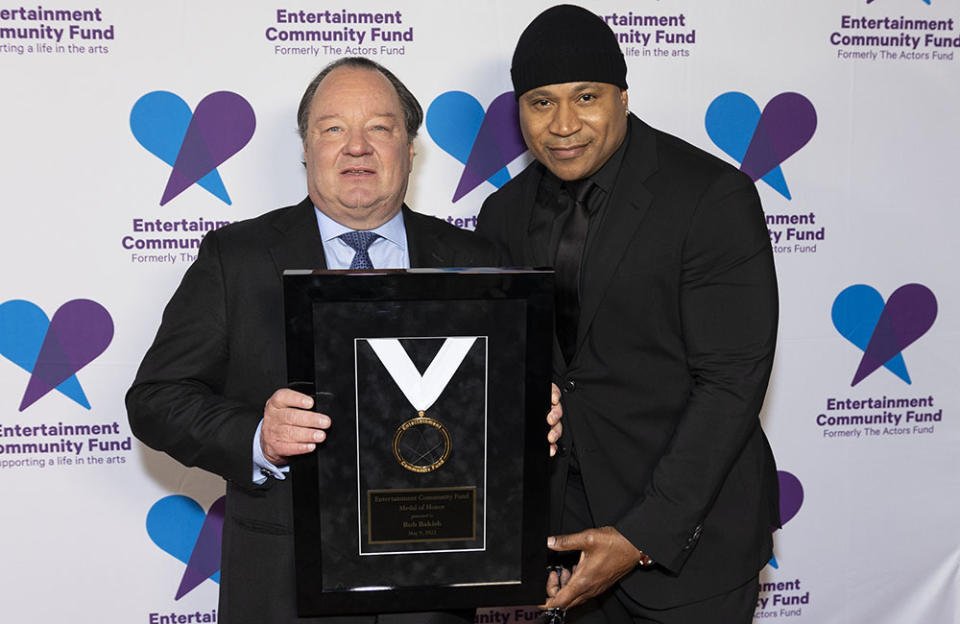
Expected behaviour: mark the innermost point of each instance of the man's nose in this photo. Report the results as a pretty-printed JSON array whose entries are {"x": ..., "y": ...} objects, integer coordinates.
[
  {"x": 565, "y": 121},
  {"x": 357, "y": 144}
]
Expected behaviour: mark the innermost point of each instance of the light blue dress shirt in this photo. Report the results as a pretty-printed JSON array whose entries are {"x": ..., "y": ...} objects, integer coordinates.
[{"x": 387, "y": 252}]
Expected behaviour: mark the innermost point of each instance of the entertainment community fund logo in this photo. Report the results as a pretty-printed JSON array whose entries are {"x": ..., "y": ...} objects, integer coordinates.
[
  {"x": 53, "y": 351},
  {"x": 882, "y": 330},
  {"x": 761, "y": 142},
  {"x": 194, "y": 143},
  {"x": 485, "y": 142},
  {"x": 178, "y": 525},
  {"x": 906, "y": 33}
]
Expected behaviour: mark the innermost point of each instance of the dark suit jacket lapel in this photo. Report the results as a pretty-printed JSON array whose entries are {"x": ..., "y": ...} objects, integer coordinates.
[
  {"x": 423, "y": 249},
  {"x": 299, "y": 244},
  {"x": 626, "y": 209},
  {"x": 537, "y": 254}
]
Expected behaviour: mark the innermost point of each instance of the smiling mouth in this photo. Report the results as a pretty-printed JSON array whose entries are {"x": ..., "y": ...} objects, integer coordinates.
[
  {"x": 566, "y": 152},
  {"x": 357, "y": 171}
]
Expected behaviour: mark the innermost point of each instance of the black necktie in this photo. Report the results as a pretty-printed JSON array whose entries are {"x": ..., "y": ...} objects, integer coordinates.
[{"x": 567, "y": 267}]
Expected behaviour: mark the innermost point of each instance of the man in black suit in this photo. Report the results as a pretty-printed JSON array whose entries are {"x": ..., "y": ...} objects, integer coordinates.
[
  {"x": 210, "y": 391},
  {"x": 666, "y": 326}
]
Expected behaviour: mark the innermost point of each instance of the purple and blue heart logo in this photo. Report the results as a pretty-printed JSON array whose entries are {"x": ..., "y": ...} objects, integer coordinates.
[
  {"x": 178, "y": 525},
  {"x": 882, "y": 330},
  {"x": 791, "y": 499},
  {"x": 53, "y": 351},
  {"x": 484, "y": 142},
  {"x": 193, "y": 143},
  {"x": 760, "y": 142}
]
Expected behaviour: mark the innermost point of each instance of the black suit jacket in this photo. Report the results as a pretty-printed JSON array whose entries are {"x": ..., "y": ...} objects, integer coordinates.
[
  {"x": 675, "y": 344},
  {"x": 218, "y": 356}
]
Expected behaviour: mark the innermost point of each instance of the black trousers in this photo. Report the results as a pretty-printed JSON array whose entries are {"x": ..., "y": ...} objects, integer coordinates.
[{"x": 615, "y": 607}]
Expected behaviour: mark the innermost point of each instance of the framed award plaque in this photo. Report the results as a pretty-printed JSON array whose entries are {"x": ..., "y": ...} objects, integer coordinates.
[{"x": 430, "y": 491}]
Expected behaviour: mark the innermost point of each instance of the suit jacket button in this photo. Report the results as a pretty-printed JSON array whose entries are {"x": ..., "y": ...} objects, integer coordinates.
[
  {"x": 569, "y": 385},
  {"x": 696, "y": 534}
]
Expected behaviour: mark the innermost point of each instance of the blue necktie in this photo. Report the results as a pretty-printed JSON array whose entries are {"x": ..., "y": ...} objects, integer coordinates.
[{"x": 360, "y": 242}]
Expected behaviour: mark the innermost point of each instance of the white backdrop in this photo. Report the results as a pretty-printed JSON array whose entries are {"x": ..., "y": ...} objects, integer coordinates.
[{"x": 874, "y": 535}]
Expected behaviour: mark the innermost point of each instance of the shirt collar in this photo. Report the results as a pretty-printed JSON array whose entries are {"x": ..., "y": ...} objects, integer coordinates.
[
  {"x": 392, "y": 230},
  {"x": 606, "y": 176}
]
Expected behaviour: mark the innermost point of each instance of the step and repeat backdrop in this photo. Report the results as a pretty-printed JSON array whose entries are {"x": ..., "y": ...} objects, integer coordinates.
[{"x": 105, "y": 105}]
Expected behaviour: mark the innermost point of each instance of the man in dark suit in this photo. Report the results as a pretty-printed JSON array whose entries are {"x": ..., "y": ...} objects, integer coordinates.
[
  {"x": 666, "y": 326},
  {"x": 210, "y": 391}
]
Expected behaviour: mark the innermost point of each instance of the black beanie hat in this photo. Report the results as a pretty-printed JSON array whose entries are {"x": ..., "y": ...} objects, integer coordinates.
[{"x": 567, "y": 43}]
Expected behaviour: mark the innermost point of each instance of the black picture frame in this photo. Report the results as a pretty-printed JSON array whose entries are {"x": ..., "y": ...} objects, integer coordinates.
[{"x": 482, "y": 542}]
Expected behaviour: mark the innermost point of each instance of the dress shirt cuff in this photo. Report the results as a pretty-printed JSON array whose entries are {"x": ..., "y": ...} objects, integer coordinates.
[{"x": 262, "y": 468}]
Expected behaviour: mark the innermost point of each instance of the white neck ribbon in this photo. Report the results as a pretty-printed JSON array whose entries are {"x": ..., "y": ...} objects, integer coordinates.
[{"x": 421, "y": 390}]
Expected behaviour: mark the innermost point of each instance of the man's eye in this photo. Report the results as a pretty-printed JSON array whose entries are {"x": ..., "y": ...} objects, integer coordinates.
[
  {"x": 333, "y": 129},
  {"x": 588, "y": 97}
]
